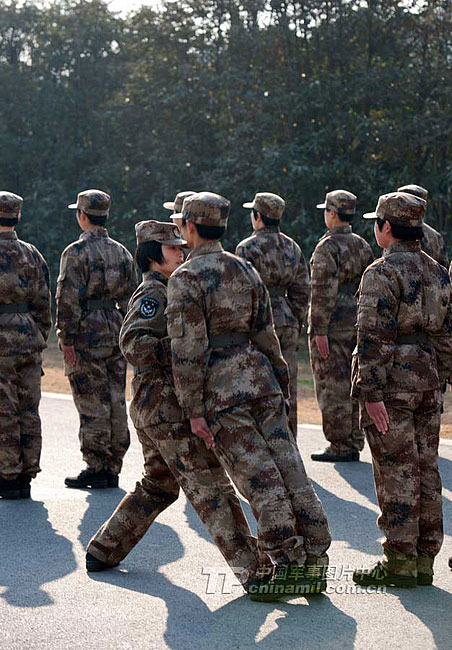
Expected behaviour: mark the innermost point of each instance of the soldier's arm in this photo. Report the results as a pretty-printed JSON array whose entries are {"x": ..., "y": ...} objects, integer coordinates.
[
  {"x": 378, "y": 304},
  {"x": 143, "y": 338},
  {"x": 324, "y": 287},
  {"x": 70, "y": 289},
  {"x": 263, "y": 335},
  {"x": 442, "y": 342},
  {"x": 443, "y": 257},
  {"x": 39, "y": 303},
  {"x": 187, "y": 330},
  {"x": 298, "y": 291}
]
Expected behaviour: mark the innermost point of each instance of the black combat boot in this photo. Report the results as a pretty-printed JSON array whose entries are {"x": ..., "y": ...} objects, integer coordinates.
[
  {"x": 331, "y": 456},
  {"x": 94, "y": 565},
  {"x": 24, "y": 481},
  {"x": 88, "y": 479},
  {"x": 9, "y": 489},
  {"x": 113, "y": 480}
]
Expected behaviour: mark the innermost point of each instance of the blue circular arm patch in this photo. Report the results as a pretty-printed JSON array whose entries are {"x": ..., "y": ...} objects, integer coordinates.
[{"x": 148, "y": 307}]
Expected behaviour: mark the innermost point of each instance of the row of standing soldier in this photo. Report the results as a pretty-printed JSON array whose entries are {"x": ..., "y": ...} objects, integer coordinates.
[{"x": 97, "y": 272}]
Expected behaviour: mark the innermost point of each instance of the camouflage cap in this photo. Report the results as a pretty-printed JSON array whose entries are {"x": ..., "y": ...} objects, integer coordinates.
[
  {"x": 206, "y": 209},
  {"x": 400, "y": 208},
  {"x": 93, "y": 202},
  {"x": 159, "y": 231},
  {"x": 10, "y": 205},
  {"x": 339, "y": 201},
  {"x": 415, "y": 190},
  {"x": 268, "y": 204},
  {"x": 176, "y": 205}
]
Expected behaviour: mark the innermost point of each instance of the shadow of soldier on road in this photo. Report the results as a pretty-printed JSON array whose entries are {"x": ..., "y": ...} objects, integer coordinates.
[
  {"x": 351, "y": 522},
  {"x": 360, "y": 477},
  {"x": 191, "y": 624},
  {"x": 433, "y": 610},
  {"x": 32, "y": 553},
  {"x": 101, "y": 504}
]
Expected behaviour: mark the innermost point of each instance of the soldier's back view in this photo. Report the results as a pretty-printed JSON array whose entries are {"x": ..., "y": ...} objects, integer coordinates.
[
  {"x": 433, "y": 242},
  {"x": 97, "y": 278},
  {"x": 284, "y": 271},
  {"x": 337, "y": 264},
  {"x": 25, "y": 323}
]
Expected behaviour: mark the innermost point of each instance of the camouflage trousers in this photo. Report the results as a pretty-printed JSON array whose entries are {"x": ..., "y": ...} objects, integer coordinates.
[
  {"x": 332, "y": 379},
  {"x": 288, "y": 340},
  {"x": 98, "y": 384},
  {"x": 173, "y": 458},
  {"x": 258, "y": 450},
  {"x": 407, "y": 480},
  {"x": 20, "y": 424}
]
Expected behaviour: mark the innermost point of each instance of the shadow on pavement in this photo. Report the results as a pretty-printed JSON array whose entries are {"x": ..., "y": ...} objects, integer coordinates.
[
  {"x": 101, "y": 504},
  {"x": 192, "y": 624},
  {"x": 351, "y": 523},
  {"x": 433, "y": 610},
  {"x": 360, "y": 477},
  {"x": 32, "y": 553}
]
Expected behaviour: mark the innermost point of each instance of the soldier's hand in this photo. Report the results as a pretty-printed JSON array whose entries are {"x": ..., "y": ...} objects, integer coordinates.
[
  {"x": 70, "y": 355},
  {"x": 323, "y": 346},
  {"x": 201, "y": 429},
  {"x": 379, "y": 415}
]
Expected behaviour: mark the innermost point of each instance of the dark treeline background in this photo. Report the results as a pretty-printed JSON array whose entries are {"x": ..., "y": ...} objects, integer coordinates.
[{"x": 234, "y": 96}]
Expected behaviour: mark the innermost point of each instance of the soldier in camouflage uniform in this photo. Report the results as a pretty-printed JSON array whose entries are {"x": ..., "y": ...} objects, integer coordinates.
[
  {"x": 403, "y": 355},
  {"x": 173, "y": 456},
  {"x": 337, "y": 264},
  {"x": 97, "y": 278},
  {"x": 432, "y": 242},
  {"x": 176, "y": 206},
  {"x": 284, "y": 271},
  {"x": 25, "y": 322},
  {"x": 230, "y": 378}
]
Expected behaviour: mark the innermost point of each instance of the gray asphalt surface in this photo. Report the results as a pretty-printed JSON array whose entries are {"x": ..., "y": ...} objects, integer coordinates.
[{"x": 157, "y": 597}]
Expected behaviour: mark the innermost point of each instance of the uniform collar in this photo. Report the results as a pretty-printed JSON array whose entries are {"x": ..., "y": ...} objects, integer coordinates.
[
  {"x": 206, "y": 249},
  {"x": 402, "y": 247},
  {"x": 8, "y": 234},
  {"x": 267, "y": 229},
  {"x": 155, "y": 275},
  {"x": 95, "y": 233},
  {"x": 341, "y": 230}
]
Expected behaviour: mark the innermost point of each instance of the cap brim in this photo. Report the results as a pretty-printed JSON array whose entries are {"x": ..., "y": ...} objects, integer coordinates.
[
  {"x": 177, "y": 215},
  {"x": 248, "y": 205},
  {"x": 169, "y": 205},
  {"x": 321, "y": 206},
  {"x": 73, "y": 206},
  {"x": 370, "y": 215},
  {"x": 173, "y": 242}
]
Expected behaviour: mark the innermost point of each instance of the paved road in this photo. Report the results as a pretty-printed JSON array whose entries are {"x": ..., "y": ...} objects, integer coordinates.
[{"x": 158, "y": 599}]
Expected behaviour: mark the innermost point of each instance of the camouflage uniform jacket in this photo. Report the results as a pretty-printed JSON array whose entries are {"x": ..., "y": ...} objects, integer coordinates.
[
  {"x": 213, "y": 293},
  {"x": 92, "y": 268},
  {"x": 280, "y": 263},
  {"x": 24, "y": 278},
  {"x": 145, "y": 344},
  {"x": 434, "y": 245},
  {"x": 337, "y": 264},
  {"x": 403, "y": 293}
]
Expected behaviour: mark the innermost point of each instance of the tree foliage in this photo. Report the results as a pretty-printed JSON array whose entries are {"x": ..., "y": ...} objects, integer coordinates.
[{"x": 234, "y": 96}]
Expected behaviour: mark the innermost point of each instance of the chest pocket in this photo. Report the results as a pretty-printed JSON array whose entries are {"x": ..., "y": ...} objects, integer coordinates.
[{"x": 367, "y": 312}]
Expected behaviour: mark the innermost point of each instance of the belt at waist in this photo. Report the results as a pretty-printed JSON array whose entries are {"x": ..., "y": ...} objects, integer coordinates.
[
  {"x": 228, "y": 339},
  {"x": 417, "y": 338},
  {"x": 277, "y": 291},
  {"x": 101, "y": 303},
  {"x": 15, "y": 308},
  {"x": 139, "y": 369},
  {"x": 347, "y": 289}
]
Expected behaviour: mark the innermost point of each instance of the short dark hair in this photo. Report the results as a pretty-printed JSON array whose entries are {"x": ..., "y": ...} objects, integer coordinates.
[
  {"x": 7, "y": 221},
  {"x": 406, "y": 233},
  {"x": 207, "y": 232},
  {"x": 95, "y": 220},
  {"x": 267, "y": 221},
  {"x": 346, "y": 218},
  {"x": 147, "y": 252}
]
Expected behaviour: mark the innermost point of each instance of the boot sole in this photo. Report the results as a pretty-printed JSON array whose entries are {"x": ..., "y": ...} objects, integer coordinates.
[
  {"x": 335, "y": 460},
  {"x": 424, "y": 580},
  {"x": 93, "y": 485},
  {"x": 13, "y": 494},
  {"x": 405, "y": 582}
]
